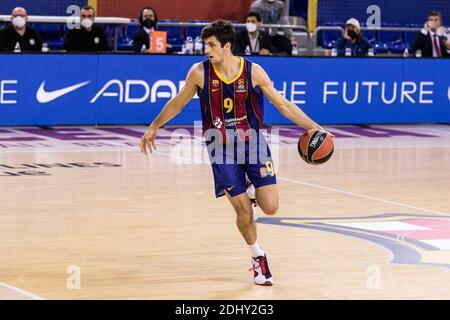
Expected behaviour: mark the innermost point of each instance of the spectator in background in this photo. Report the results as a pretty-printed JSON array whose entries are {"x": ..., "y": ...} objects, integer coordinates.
[
  {"x": 429, "y": 40},
  {"x": 275, "y": 12},
  {"x": 256, "y": 40},
  {"x": 87, "y": 38},
  {"x": 353, "y": 39},
  {"x": 19, "y": 32},
  {"x": 148, "y": 20}
]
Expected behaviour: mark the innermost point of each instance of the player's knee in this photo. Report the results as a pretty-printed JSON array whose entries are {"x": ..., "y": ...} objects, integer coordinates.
[{"x": 271, "y": 209}]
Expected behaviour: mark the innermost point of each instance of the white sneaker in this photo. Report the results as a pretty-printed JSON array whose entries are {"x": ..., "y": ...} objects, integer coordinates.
[{"x": 261, "y": 272}]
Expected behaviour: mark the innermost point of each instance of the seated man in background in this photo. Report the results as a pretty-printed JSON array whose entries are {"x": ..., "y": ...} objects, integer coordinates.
[
  {"x": 275, "y": 12},
  {"x": 19, "y": 32},
  {"x": 431, "y": 40},
  {"x": 148, "y": 19},
  {"x": 256, "y": 40},
  {"x": 88, "y": 38},
  {"x": 353, "y": 39}
]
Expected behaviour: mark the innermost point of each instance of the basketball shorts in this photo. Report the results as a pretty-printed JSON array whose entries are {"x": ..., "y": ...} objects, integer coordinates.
[{"x": 231, "y": 162}]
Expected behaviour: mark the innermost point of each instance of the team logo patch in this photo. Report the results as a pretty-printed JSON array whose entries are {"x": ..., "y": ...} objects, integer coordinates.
[
  {"x": 218, "y": 123},
  {"x": 422, "y": 240},
  {"x": 215, "y": 83},
  {"x": 32, "y": 42},
  {"x": 96, "y": 40},
  {"x": 241, "y": 86},
  {"x": 263, "y": 172}
]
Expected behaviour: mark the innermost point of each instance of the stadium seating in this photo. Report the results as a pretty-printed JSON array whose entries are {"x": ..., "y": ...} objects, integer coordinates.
[
  {"x": 371, "y": 36},
  {"x": 51, "y": 33},
  {"x": 382, "y": 41},
  {"x": 125, "y": 39},
  {"x": 194, "y": 31},
  {"x": 175, "y": 34},
  {"x": 411, "y": 36},
  {"x": 391, "y": 41},
  {"x": 328, "y": 38}
]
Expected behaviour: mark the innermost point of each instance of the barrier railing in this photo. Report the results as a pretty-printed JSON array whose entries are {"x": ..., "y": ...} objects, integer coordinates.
[
  {"x": 312, "y": 38},
  {"x": 337, "y": 28},
  {"x": 117, "y": 21}
]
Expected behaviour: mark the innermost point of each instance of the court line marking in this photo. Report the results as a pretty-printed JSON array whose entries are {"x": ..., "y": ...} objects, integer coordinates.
[
  {"x": 360, "y": 195},
  {"x": 21, "y": 291},
  {"x": 354, "y": 194}
]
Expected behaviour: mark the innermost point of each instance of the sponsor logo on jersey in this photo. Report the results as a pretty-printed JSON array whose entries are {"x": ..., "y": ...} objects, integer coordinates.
[{"x": 218, "y": 123}]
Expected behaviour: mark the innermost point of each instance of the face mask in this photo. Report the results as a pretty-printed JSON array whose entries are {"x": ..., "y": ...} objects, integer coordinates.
[
  {"x": 148, "y": 23},
  {"x": 87, "y": 23},
  {"x": 251, "y": 27},
  {"x": 18, "y": 22},
  {"x": 352, "y": 34}
]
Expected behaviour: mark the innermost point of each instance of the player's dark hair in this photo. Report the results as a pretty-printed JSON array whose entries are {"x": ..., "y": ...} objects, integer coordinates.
[
  {"x": 222, "y": 30},
  {"x": 255, "y": 14},
  {"x": 88, "y": 7},
  {"x": 142, "y": 13}
]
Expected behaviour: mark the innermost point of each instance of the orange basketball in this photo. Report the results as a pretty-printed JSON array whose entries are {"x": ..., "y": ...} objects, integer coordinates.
[{"x": 316, "y": 146}]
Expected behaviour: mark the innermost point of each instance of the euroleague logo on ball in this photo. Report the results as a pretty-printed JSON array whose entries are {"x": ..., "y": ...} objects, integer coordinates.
[{"x": 316, "y": 139}]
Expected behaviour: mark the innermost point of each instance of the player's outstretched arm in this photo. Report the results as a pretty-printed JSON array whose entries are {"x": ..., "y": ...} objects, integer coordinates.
[
  {"x": 172, "y": 108},
  {"x": 286, "y": 108}
]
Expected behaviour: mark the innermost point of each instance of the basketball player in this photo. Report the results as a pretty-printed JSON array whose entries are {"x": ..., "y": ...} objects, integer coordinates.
[{"x": 231, "y": 96}]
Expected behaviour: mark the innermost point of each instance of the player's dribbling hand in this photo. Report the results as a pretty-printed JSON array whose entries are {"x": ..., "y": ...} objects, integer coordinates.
[
  {"x": 148, "y": 141},
  {"x": 316, "y": 126}
]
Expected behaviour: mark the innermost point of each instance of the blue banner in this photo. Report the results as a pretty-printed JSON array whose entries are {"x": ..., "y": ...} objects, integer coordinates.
[{"x": 58, "y": 89}]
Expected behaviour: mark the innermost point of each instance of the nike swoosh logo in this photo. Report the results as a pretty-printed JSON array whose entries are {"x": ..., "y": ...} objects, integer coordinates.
[
  {"x": 214, "y": 90},
  {"x": 45, "y": 97},
  {"x": 229, "y": 189}
]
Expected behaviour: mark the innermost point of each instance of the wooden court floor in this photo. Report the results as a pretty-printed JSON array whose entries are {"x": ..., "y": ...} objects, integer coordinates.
[{"x": 84, "y": 215}]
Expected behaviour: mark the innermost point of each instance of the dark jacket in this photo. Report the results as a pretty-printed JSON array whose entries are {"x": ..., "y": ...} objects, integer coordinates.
[
  {"x": 243, "y": 40},
  {"x": 424, "y": 43},
  {"x": 359, "y": 48},
  {"x": 80, "y": 40},
  {"x": 141, "y": 38},
  {"x": 30, "y": 41}
]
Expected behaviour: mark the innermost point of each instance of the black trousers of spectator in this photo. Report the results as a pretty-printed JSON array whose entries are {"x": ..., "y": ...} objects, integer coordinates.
[{"x": 281, "y": 44}]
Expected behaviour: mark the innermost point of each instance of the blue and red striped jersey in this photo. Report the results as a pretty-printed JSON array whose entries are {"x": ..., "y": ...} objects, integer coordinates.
[{"x": 233, "y": 104}]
